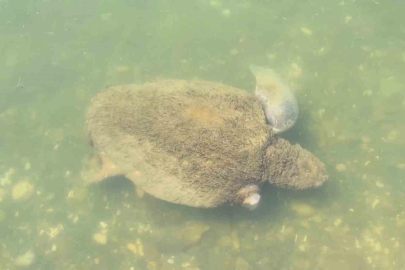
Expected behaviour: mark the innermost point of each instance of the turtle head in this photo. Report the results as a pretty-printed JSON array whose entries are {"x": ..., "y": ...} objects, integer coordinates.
[{"x": 292, "y": 166}]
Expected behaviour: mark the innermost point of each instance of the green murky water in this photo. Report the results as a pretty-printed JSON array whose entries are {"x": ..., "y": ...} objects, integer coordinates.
[{"x": 344, "y": 59}]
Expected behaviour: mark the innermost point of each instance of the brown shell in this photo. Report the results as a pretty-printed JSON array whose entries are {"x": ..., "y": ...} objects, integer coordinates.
[{"x": 190, "y": 142}]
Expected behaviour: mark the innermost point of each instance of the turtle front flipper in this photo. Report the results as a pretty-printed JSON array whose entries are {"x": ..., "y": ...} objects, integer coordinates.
[{"x": 278, "y": 101}]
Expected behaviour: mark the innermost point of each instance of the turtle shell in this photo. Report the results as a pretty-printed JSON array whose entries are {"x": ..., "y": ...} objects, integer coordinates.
[{"x": 189, "y": 142}]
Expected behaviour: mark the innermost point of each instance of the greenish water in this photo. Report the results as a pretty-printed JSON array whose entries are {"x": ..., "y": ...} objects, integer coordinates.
[{"x": 343, "y": 58}]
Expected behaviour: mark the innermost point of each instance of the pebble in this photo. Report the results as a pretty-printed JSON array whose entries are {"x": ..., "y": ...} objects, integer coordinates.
[
  {"x": 132, "y": 248},
  {"x": 6, "y": 179},
  {"x": 105, "y": 16},
  {"x": 234, "y": 51},
  {"x": 242, "y": 264},
  {"x": 121, "y": 68},
  {"x": 140, "y": 247},
  {"x": 193, "y": 232},
  {"x": 100, "y": 238},
  {"x": 306, "y": 31},
  {"x": 379, "y": 184},
  {"x": 26, "y": 259},
  {"x": 225, "y": 241},
  {"x": 375, "y": 203},
  {"x": 27, "y": 166},
  {"x": 226, "y": 13},
  {"x": 22, "y": 190},
  {"x": 365, "y": 139},
  {"x": 151, "y": 266},
  {"x": 303, "y": 209},
  {"x": 215, "y": 3},
  {"x": 341, "y": 167},
  {"x": 400, "y": 166},
  {"x": 392, "y": 136},
  {"x": 377, "y": 247}
]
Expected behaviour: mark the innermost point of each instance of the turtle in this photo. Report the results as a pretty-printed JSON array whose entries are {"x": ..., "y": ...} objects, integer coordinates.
[{"x": 199, "y": 143}]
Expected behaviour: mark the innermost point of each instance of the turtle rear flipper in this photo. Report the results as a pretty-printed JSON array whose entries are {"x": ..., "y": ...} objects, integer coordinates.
[{"x": 98, "y": 167}]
